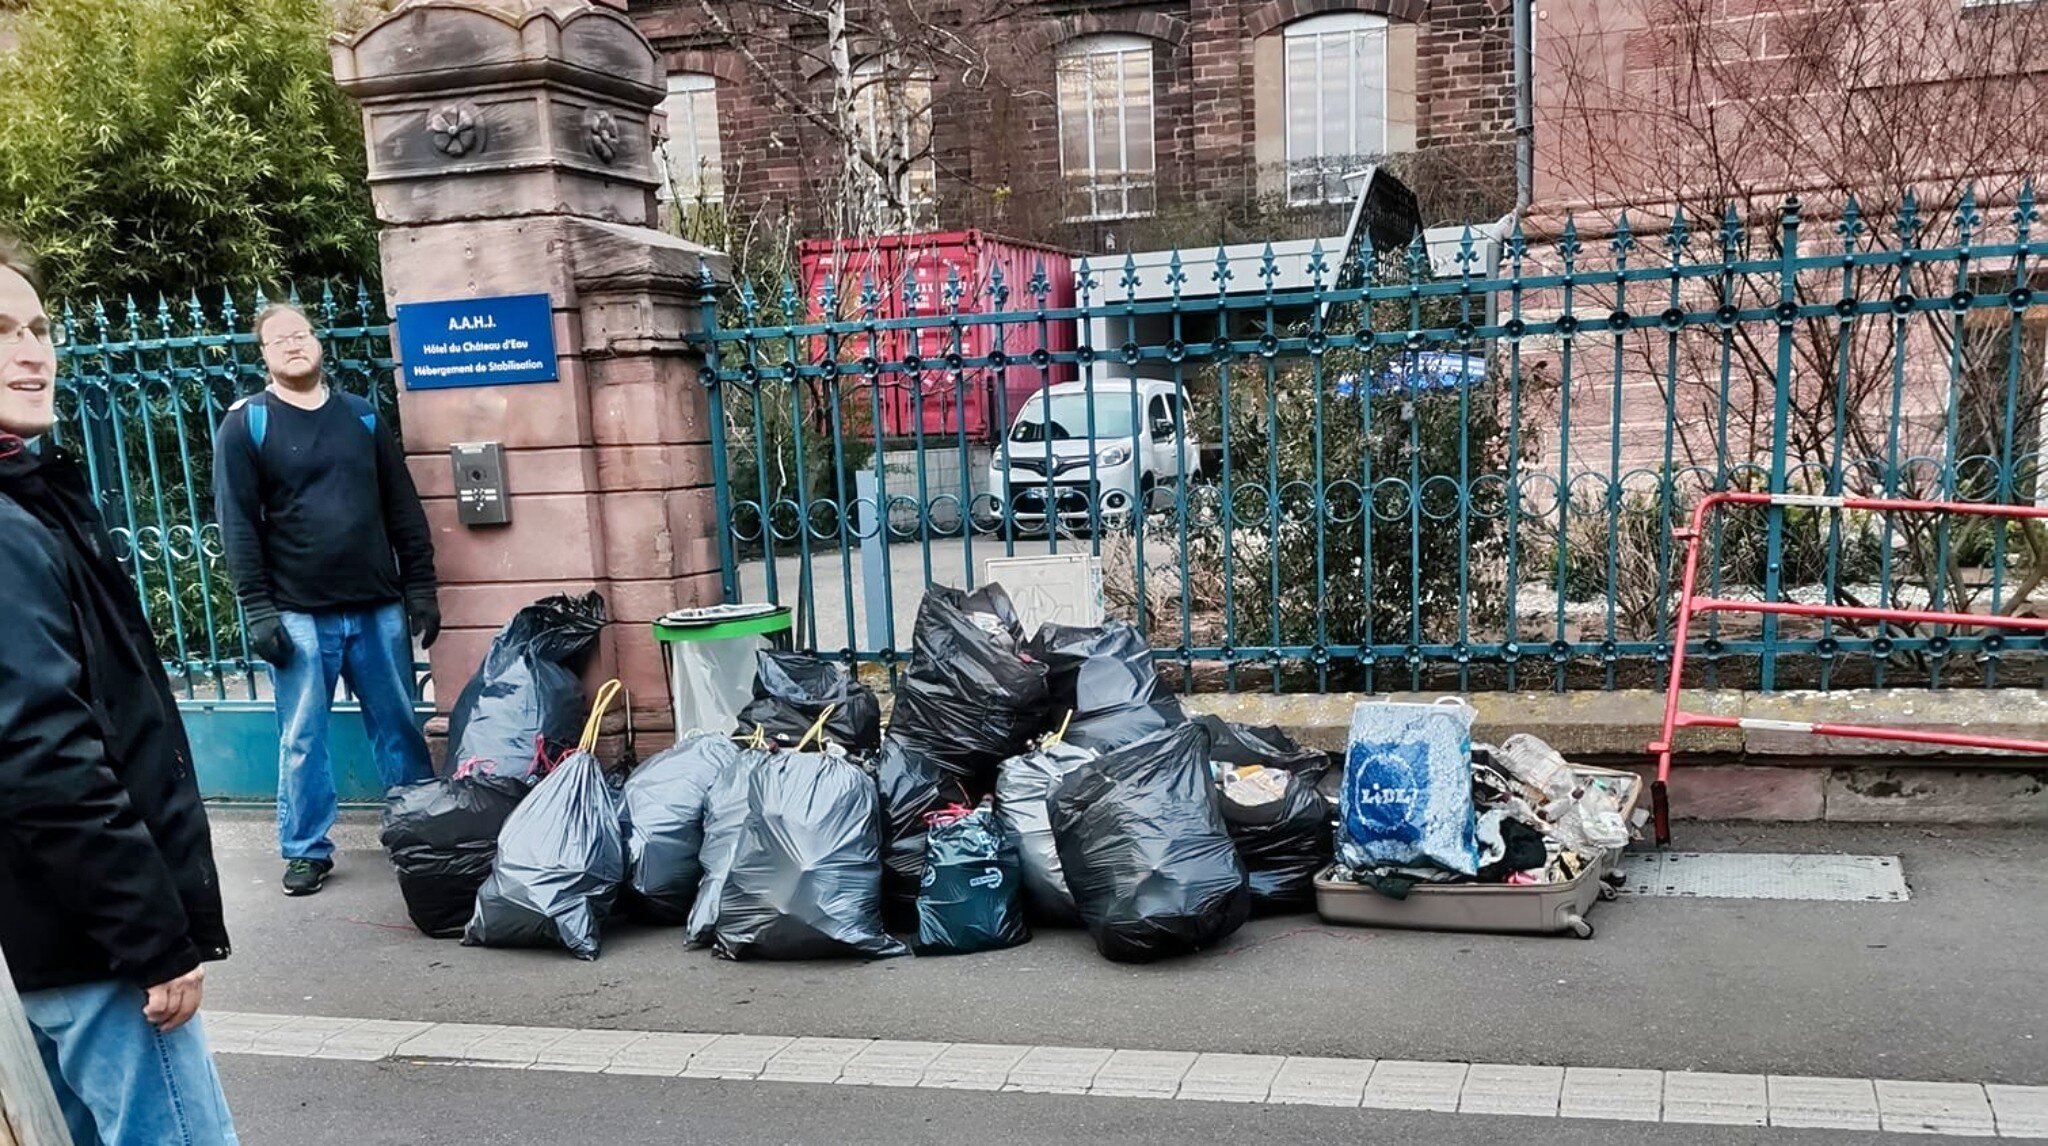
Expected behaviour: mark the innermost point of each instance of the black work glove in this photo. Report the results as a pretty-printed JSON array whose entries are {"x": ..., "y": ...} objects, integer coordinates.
[
  {"x": 423, "y": 613},
  {"x": 267, "y": 638}
]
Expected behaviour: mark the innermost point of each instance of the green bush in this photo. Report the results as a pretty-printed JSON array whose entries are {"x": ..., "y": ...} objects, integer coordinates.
[
  {"x": 159, "y": 146},
  {"x": 1402, "y": 570},
  {"x": 1361, "y": 561}
]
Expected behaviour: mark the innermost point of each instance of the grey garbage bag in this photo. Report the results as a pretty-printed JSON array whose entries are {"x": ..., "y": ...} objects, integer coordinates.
[
  {"x": 1023, "y": 792},
  {"x": 519, "y": 714},
  {"x": 1145, "y": 850},
  {"x": 725, "y": 817},
  {"x": 1105, "y": 676},
  {"x": 972, "y": 698},
  {"x": 560, "y": 861},
  {"x": 665, "y": 801},
  {"x": 806, "y": 878},
  {"x": 792, "y": 690}
]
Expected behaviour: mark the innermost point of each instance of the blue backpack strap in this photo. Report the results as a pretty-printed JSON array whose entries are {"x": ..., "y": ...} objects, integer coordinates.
[
  {"x": 256, "y": 411},
  {"x": 364, "y": 412}
]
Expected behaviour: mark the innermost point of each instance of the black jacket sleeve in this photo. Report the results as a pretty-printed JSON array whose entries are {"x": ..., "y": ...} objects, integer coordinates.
[
  {"x": 238, "y": 507},
  {"x": 75, "y": 826},
  {"x": 405, "y": 522}
]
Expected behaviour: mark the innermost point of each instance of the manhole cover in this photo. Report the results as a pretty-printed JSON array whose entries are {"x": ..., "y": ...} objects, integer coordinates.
[{"x": 1732, "y": 875}]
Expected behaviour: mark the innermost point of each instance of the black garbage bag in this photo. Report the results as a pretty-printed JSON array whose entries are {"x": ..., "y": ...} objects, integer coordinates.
[
  {"x": 1023, "y": 797},
  {"x": 912, "y": 787},
  {"x": 520, "y": 713},
  {"x": 806, "y": 878},
  {"x": 1105, "y": 676},
  {"x": 1236, "y": 745},
  {"x": 1283, "y": 841},
  {"x": 1145, "y": 849},
  {"x": 725, "y": 818},
  {"x": 665, "y": 800},
  {"x": 791, "y": 690},
  {"x": 561, "y": 858},
  {"x": 972, "y": 698},
  {"x": 971, "y": 897},
  {"x": 441, "y": 836}
]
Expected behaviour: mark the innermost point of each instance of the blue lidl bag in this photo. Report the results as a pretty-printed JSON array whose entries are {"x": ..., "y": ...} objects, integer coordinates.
[
  {"x": 1407, "y": 795},
  {"x": 972, "y": 898}
]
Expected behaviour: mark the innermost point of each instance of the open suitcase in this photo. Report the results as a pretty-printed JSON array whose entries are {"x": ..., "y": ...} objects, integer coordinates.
[{"x": 1537, "y": 909}]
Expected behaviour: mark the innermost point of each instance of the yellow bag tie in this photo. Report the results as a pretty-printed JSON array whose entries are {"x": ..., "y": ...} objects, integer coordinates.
[
  {"x": 605, "y": 696},
  {"x": 1061, "y": 735},
  {"x": 818, "y": 728}
]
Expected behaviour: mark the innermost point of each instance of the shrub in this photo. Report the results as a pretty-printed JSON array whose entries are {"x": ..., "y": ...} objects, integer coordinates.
[{"x": 158, "y": 146}]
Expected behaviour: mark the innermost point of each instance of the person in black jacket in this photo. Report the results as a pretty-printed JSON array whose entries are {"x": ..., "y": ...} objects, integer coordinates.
[
  {"x": 332, "y": 560},
  {"x": 109, "y": 900}
]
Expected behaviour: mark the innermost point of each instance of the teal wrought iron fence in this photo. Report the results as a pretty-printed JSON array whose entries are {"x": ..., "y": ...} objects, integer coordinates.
[
  {"x": 141, "y": 390},
  {"x": 1319, "y": 468}
]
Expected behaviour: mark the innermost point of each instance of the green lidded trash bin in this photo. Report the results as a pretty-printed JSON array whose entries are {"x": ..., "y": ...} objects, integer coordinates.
[{"x": 710, "y": 654}]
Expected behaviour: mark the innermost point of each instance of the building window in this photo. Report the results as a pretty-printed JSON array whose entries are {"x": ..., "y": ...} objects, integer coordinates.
[
  {"x": 1105, "y": 99},
  {"x": 690, "y": 167},
  {"x": 894, "y": 111},
  {"x": 1336, "y": 69}
]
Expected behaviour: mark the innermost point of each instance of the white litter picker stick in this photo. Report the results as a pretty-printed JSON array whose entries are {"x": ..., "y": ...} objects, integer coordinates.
[{"x": 28, "y": 1107}]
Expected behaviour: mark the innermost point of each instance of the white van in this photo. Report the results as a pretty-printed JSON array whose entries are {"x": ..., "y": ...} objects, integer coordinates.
[{"x": 1093, "y": 467}]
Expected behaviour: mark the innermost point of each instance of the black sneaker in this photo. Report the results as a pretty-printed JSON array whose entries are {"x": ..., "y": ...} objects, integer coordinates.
[{"x": 304, "y": 877}]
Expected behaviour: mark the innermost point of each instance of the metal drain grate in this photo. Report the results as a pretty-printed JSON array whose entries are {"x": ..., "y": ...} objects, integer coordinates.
[{"x": 1731, "y": 875}]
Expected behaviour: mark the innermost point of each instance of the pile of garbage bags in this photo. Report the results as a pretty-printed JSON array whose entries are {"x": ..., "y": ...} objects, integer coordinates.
[
  {"x": 1048, "y": 781},
  {"x": 1421, "y": 804}
]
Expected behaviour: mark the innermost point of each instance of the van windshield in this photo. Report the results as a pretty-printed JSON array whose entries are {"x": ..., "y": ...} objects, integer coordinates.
[{"x": 1069, "y": 421}]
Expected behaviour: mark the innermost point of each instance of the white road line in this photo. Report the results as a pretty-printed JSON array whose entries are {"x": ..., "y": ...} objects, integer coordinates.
[{"x": 1890, "y": 1106}]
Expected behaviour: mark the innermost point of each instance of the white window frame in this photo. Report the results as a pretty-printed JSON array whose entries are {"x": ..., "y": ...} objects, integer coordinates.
[
  {"x": 1107, "y": 197},
  {"x": 1346, "y": 24},
  {"x": 684, "y": 131},
  {"x": 870, "y": 92}
]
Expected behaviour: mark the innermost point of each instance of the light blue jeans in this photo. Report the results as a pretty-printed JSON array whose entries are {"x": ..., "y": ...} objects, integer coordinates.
[
  {"x": 118, "y": 1080},
  {"x": 372, "y": 651}
]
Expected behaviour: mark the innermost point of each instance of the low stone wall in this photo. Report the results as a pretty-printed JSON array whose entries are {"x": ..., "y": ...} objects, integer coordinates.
[{"x": 1733, "y": 774}]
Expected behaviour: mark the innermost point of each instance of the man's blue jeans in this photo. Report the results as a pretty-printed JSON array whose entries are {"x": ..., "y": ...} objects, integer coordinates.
[
  {"x": 118, "y": 1080},
  {"x": 372, "y": 651}
]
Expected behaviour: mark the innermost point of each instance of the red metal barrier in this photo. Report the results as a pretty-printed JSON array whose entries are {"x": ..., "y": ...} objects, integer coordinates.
[{"x": 1689, "y": 604}]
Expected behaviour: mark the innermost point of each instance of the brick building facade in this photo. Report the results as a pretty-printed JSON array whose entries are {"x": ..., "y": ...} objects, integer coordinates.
[{"x": 1216, "y": 105}]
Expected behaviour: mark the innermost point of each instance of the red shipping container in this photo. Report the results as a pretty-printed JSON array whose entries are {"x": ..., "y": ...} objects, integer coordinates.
[{"x": 911, "y": 275}]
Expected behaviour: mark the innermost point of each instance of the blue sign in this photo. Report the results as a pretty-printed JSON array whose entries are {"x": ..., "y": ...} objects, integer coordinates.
[{"x": 477, "y": 342}]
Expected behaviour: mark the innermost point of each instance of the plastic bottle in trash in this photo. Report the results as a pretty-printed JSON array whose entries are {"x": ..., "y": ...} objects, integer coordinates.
[
  {"x": 1538, "y": 765},
  {"x": 1583, "y": 819}
]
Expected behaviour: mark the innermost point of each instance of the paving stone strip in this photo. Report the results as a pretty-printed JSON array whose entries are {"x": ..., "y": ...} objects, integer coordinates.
[{"x": 1891, "y": 1106}]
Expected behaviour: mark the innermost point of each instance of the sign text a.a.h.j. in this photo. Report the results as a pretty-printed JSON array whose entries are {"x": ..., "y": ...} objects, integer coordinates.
[{"x": 495, "y": 341}]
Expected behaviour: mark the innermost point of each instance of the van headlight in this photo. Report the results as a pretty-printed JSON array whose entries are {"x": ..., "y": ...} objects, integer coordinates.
[{"x": 1114, "y": 456}]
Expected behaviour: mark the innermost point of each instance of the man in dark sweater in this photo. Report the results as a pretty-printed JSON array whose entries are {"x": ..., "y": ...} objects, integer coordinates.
[
  {"x": 334, "y": 565},
  {"x": 109, "y": 899}
]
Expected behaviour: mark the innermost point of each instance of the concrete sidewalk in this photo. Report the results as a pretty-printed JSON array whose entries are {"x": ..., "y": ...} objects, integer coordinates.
[{"x": 1944, "y": 987}]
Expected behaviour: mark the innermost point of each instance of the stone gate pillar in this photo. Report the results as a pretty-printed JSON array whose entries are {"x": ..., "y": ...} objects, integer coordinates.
[{"x": 510, "y": 152}]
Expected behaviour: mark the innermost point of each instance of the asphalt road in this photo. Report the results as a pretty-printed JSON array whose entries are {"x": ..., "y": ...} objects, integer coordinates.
[{"x": 1944, "y": 987}]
